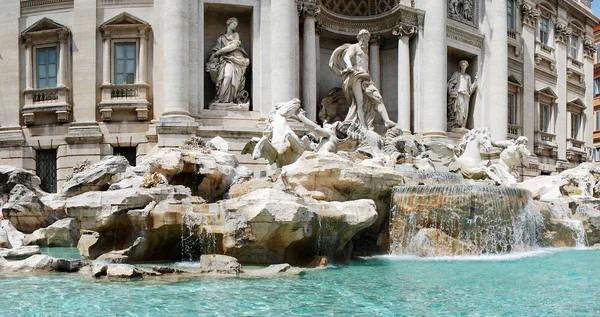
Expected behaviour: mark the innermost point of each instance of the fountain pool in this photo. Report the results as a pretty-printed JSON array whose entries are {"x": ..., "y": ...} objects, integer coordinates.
[{"x": 546, "y": 282}]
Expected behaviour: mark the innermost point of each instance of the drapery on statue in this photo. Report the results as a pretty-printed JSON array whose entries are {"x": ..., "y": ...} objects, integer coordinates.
[
  {"x": 227, "y": 65},
  {"x": 460, "y": 89},
  {"x": 351, "y": 62}
]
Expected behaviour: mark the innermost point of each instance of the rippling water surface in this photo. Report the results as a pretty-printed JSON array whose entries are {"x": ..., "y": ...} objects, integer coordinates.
[{"x": 540, "y": 283}]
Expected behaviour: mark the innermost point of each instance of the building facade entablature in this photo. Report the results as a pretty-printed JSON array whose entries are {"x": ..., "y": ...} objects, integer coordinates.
[{"x": 378, "y": 24}]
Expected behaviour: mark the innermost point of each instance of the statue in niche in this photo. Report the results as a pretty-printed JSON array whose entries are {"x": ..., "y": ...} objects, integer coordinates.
[
  {"x": 227, "y": 65},
  {"x": 460, "y": 89},
  {"x": 351, "y": 62}
]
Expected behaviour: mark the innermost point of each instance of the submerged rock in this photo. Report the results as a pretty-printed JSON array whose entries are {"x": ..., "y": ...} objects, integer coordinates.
[
  {"x": 41, "y": 263},
  {"x": 20, "y": 252},
  {"x": 123, "y": 271},
  {"x": 217, "y": 263}
]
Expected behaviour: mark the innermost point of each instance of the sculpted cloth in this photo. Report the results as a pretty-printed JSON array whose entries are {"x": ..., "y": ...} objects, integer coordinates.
[{"x": 227, "y": 70}]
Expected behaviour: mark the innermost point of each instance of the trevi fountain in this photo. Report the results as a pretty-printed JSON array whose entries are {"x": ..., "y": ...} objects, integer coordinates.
[{"x": 354, "y": 216}]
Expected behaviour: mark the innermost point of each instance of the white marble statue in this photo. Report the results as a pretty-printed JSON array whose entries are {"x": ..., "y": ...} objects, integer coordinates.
[
  {"x": 279, "y": 144},
  {"x": 227, "y": 65},
  {"x": 469, "y": 162},
  {"x": 351, "y": 62},
  {"x": 328, "y": 139},
  {"x": 460, "y": 89},
  {"x": 513, "y": 155}
]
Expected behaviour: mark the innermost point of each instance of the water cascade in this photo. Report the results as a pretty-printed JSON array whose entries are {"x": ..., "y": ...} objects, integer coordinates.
[
  {"x": 431, "y": 178},
  {"x": 197, "y": 236},
  {"x": 431, "y": 220}
]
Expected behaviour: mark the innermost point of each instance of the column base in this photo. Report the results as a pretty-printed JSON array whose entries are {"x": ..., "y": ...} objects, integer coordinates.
[
  {"x": 173, "y": 130},
  {"x": 84, "y": 133}
]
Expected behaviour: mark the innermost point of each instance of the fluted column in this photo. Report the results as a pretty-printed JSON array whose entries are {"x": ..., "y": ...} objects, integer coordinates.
[
  {"x": 62, "y": 61},
  {"x": 143, "y": 59},
  {"x": 375, "y": 59},
  {"x": 529, "y": 18},
  {"x": 28, "y": 66},
  {"x": 176, "y": 58},
  {"x": 433, "y": 61},
  {"x": 309, "y": 63},
  {"x": 404, "y": 33},
  {"x": 284, "y": 36},
  {"x": 498, "y": 63},
  {"x": 562, "y": 35}
]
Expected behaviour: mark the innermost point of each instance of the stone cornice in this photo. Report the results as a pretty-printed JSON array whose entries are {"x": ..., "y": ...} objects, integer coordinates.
[
  {"x": 562, "y": 32},
  {"x": 529, "y": 15},
  {"x": 461, "y": 35},
  {"x": 35, "y": 3},
  {"x": 382, "y": 23}
]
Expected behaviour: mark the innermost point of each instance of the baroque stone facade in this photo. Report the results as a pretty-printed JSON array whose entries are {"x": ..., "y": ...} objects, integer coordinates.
[{"x": 89, "y": 78}]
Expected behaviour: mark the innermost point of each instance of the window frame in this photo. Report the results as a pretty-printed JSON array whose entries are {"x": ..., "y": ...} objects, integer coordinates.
[
  {"x": 113, "y": 45},
  {"x": 547, "y": 39},
  {"x": 511, "y": 21},
  {"x": 597, "y": 86},
  {"x": 574, "y": 49},
  {"x": 575, "y": 132},
  {"x": 35, "y": 65},
  {"x": 548, "y": 128},
  {"x": 597, "y": 117},
  {"x": 513, "y": 111}
]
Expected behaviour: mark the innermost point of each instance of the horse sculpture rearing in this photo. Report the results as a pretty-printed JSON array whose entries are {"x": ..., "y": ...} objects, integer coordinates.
[{"x": 469, "y": 162}]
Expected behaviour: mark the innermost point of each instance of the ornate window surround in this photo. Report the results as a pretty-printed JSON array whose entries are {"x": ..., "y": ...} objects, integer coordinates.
[
  {"x": 546, "y": 140},
  {"x": 46, "y": 33},
  {"x": 125, "y": 28},
  {"x": 576, "y": 146},
  {"x": 515, "y": 87}
]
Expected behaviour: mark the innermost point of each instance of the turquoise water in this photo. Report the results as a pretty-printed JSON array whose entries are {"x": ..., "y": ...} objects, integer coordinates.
[{"x": 542, "y": 283}]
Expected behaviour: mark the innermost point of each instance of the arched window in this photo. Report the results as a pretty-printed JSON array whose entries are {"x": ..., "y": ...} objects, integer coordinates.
[{"x": 359, "y": 7}]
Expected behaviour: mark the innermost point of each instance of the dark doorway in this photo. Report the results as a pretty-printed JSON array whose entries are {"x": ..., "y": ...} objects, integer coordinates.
[
  {"x": 128, "y": 152},
  {"x": 45, "y": 167}
]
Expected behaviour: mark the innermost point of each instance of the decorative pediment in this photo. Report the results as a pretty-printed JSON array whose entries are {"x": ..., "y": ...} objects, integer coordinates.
[
  {"x": 44, "y": 28},
  {"x": 546, "y": 92},
  {"x": 512, "y": 80},
  {"x": 124, "y": 21},
  {"x": 576, "y": 105}
]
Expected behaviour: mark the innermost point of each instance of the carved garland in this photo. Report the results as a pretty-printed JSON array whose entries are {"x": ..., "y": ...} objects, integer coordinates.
[{"x": 401, "y": 30}]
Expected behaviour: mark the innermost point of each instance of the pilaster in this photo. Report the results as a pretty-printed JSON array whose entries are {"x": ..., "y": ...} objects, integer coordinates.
[
  {"x": 562, "y": 34},
  {"x": 529, "y": 18},
  {"x": 404, "y": 33},
  {"x": 309, "y": 63}
]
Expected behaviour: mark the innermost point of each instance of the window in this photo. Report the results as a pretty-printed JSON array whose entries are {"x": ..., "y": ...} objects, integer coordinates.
[
  {"x": 128, "y": 152},
  {"x": 544, "y": 30},
  {"x": 598, "y": 53},
  {"x": 596, "y": 86},
  {"x": 574, "y": 46},
  {"x": 545, "y": 116},
  {"x": 597, "y": 115},
  {"x": 597, "y": 154},
  {"x": 46, "y": 67},
  {"x": 512, "y": 109},
  {"x": 45, "y": 167},
  {"x": 575, "y": 124},
  {"x": 124, "y": 63},
  {"x": 510, "y": 14}
]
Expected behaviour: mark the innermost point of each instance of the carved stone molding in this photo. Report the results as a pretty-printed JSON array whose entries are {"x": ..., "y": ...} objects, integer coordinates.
[
  {"x": 309, "y": 9},
  {"x": 383, "y": 23},
  {"x": 589, "y": 49},
  {"x": 464, "y": 11},
  {"x": 401, "y": 30},
  {"x": 319, "y": 29},
  {"x": 562, "y": 32},
  {"x": 461, "y": 35},
  {"x": 529, "y": 15},
  {"x": 377, "y": 39}
]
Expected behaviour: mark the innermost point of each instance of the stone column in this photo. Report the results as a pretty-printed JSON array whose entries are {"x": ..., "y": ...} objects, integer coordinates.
[
  {"x": 176, "y": 58},
  {"x": 28, "y": 66},
  {"x": 433, "y": 69},
  {"x": 62, "y": 61},
  {"x": 589, "y": 58},
  {"x": 404, "y": 32},
  {"x": 143, "y": 68},
  {"x": 375, "y": 59},
  {"x": 318, "y": 32},
  {"x": 498, "y": 70},
  {"x": 562, "y": 36},
  {"x": 106, "y": 60},
  {"x": 529, "y": 18},
  {"x": 309, "y": 63},
  {"x": 284, "y": 35}
]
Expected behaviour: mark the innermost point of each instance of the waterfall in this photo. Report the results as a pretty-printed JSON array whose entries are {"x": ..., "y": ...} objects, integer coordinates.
[
  {"x": 464, "y": 219},
  {"x": 563, "y": 215},
  {"x": 431, "y": 178},
  {"x": 197, "y": 236}
]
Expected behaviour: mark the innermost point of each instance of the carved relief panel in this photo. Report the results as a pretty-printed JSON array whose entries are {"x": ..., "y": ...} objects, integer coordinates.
[{"x": 464, "y": 11}]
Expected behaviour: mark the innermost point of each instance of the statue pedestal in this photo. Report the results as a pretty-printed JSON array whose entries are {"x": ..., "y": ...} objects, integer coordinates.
[{"x": 229, "y": 106}]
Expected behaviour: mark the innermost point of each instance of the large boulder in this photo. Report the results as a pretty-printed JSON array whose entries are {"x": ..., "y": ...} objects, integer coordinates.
[
  {"x": 96, "y": 177},
  {"x": 63, "y": 233},
  {"x": 26, "y": 211},
  {"x": 20, "y": 252},
  {"x": 581, "y": 181},
  {"x": 218, "y": 263},
  {"x": 40, "y": 262},
  {"x": 11, "y": 176},
  {"x": 14, "y": 238},
  {"x": 270, "y": 226}
]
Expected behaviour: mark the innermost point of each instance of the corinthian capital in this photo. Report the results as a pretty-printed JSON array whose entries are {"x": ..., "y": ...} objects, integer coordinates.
[
  {"x": 401, "y": 30},
  {"x": 562, "y": 32},
  {"x": 529, "y": 15},
  {"x": 308, "y": 8}
]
